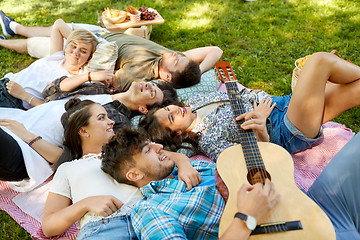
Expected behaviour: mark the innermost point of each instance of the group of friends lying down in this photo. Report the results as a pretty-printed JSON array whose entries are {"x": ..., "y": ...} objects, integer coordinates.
[{"x": 69, "y": 115}]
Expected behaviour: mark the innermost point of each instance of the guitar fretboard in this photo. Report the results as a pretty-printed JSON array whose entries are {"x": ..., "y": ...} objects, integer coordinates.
[{"x": 247, "y": 140}]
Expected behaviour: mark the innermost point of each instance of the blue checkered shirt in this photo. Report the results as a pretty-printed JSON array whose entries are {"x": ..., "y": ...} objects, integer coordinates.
[{"x": 169, "y": 211}]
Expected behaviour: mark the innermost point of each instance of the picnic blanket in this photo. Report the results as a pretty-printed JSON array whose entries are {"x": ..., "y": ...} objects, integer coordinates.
[{"x": 26, "y": 208}]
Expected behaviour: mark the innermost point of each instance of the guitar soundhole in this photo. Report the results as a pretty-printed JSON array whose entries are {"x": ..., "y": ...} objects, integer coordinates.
[{"x": 257, "y": 175}]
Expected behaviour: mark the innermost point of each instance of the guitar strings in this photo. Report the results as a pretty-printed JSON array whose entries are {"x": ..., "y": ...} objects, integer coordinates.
[
  {"x": 255, "y": 157},
  {"x": 232, "y": 88}
]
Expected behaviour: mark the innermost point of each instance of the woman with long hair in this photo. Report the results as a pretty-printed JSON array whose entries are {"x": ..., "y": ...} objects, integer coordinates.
[
  {"x": 34, "y": 138},
  {"x": 81, "y": 190},
  {"x": 327, "y": 86}
]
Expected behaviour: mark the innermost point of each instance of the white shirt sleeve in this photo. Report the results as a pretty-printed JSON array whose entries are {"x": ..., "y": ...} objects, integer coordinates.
[{"x": 60, "y": 183}]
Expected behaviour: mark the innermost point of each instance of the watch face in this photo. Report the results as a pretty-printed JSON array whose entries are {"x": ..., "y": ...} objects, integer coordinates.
[{"x": 251, "y": 222}]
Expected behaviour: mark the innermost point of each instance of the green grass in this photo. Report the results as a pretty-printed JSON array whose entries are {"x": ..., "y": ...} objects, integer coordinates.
[{"x": 260, "y": 39}]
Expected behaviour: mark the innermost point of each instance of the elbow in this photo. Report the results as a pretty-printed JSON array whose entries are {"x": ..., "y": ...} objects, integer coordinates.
[
  {"x": 58, "y": 22},
  {"x": 218, "y": 52},
  {"x": 48, "y": 232}
]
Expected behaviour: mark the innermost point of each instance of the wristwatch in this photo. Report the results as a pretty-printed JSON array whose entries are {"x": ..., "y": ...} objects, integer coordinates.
[{"x": 249, "y": 220}]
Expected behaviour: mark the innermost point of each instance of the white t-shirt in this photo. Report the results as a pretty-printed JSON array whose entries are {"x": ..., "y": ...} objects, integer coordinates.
[
  {"x": 39, "y": 74},
  {"x": 83, "y": 178},
  {"x": 43, "y": 120}
]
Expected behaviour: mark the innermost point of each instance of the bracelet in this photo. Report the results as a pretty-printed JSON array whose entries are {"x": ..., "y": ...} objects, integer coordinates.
[
  {"x": 89, "y": 77},
  {"x": 30, "y": 100},
  {"x": 35, "y": 139}
]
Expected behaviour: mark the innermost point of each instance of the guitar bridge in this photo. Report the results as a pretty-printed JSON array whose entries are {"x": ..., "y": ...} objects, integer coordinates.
[{"x": 277, "y": 227}]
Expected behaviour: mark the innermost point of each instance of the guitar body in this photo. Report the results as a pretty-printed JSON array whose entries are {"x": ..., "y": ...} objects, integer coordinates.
[{"x": 294, "y": 204}]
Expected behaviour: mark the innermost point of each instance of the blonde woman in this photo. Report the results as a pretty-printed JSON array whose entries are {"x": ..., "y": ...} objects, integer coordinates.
[{"x": 25, "y": 87}]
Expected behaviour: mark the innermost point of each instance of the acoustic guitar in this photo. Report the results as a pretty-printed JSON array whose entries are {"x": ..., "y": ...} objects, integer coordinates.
[{"x": 296, "y": 216}]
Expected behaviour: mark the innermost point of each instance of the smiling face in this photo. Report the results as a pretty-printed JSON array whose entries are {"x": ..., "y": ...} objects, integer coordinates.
[
  {"x": 146, "y": 93},
  {"x": 77, "y": 53},
  {"x": 174, "y": 62},
  {"x": 176, "y": 118},
  {"x": 100, "y": 127},
  {"x": 153, "y": 162}
]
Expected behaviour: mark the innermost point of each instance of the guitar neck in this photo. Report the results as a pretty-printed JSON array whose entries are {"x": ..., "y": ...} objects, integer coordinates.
[{"x": 247, "y": 138}]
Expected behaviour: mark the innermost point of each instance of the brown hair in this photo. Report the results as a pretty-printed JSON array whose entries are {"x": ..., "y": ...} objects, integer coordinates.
[
  {"x": 165, "y": 136},
  {"x": 77, "y": 115},
  {"x": 188, "y": 77},
  {"x": 118, "y": 154}
]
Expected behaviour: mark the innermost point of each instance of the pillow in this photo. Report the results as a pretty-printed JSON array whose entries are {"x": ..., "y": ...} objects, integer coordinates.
[
  {"x": 103, "y": 58},
  {"x": 208, "y": 84}
]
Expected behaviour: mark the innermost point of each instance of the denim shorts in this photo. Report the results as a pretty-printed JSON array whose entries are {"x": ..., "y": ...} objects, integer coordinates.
[
  {"x": 118, "y": 227},
  {"x": 283, "y": 132}
]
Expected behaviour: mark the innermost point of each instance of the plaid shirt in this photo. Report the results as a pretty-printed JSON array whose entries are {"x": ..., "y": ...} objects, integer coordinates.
[{"x": 169, "y": 211}]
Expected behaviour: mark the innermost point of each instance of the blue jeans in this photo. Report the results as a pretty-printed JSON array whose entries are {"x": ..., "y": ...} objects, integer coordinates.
[
  {"x": 283, "y": 132},
  {"x": 7, "y": 100},
  {"x": 118, "y": 227},
  {"x": 337, "y": 191}
]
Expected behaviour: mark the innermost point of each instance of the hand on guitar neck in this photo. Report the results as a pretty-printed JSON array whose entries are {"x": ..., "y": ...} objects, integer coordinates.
[
  {"x": 256, "y": 120},
  {"x": 256, "y": 200},
  {"x": 265, "y": 107}
]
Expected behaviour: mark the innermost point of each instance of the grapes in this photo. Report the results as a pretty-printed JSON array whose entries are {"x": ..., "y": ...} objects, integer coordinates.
[{"x": 146, "y": 14}]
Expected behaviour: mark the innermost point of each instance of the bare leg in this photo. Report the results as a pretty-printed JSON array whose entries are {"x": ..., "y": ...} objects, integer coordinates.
[
  {"x": 339, "y": 98},
  {"x": 19, "y": 45},
  {"x": 313, "y": 101},
  {"x": 33, "y": 31}
]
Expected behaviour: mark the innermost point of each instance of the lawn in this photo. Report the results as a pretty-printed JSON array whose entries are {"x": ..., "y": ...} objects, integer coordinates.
[{"x": 260, "y": 39}]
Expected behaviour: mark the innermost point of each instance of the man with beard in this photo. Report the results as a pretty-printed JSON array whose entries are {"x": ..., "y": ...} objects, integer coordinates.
[{"x": 171, "y": 208}]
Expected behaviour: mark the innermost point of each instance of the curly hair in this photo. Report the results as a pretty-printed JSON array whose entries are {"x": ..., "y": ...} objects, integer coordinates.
[
  {"x": 188, "y": 77},
  {"x": 118, "y": 154},
  {"x": 165, "y": 135},
  {"x": 77, "y": 115}
]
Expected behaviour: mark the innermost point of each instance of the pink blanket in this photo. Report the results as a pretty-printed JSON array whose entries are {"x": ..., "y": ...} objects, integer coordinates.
[
  {"x": 308, "y": 166},
  {"x": 30, "y": 223}
]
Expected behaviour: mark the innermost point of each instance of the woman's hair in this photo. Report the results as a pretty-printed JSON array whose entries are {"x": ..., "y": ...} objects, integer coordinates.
[
  {"x": 170, "y": 94},
  {"x": 84, "y": 36},
  {"x": 165, "y": 136},
  {"x": 170, "y": 97},
  {"x": 77, "y": 115}
]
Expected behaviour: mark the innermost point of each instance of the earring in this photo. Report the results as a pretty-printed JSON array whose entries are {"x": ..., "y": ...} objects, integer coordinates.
[{"x": 87, "y": 135}]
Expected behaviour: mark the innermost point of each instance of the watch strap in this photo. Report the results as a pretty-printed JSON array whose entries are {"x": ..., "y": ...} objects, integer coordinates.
[{"x": 241, "y": 216}]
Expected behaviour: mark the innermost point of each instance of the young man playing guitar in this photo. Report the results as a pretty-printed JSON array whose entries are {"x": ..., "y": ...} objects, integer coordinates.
[{"x": 169, "y": 209}]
